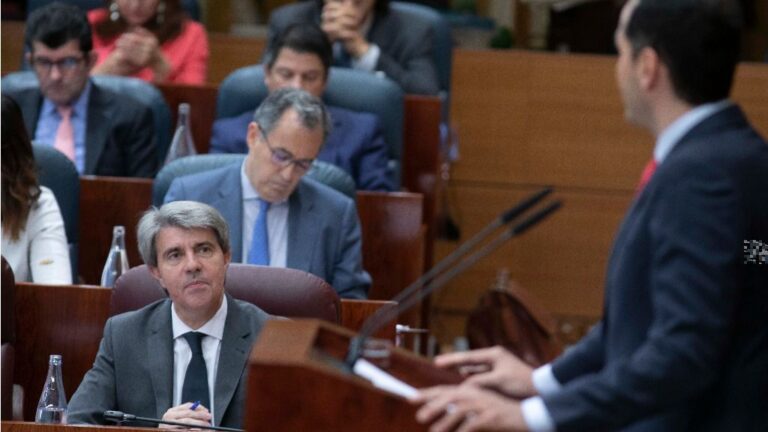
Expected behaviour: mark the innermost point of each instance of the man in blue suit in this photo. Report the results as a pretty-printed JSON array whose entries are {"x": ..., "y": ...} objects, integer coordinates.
[
  {"x": 276, "y": 216},
  {"x": 683, "y": 342},
  {"x": 301, "y": 58}
]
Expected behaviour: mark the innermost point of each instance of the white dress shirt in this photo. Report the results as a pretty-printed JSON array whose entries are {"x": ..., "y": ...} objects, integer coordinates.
[
  {"x": 182, "y": 353},
  {"x": 535, "y": 413},
  {"x": 277, "y": 223}
]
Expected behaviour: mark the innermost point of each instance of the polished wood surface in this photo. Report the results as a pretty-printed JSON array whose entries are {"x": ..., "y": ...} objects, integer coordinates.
[
  {"x": 355, "y": 312},
  {"x": 12, "y": 40},
  {"x": 51, "y": 319},
  {"x": 306, "y": 355},
  {"x": 13, "y": 426},
  {"x": 202, "y": 102},
  {"x": 104, "y": 203},
  {"x": 228, "y": 52}
]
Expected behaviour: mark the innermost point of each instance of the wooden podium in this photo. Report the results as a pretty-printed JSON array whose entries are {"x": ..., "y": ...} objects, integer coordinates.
[{"x": 296, "y": 382}]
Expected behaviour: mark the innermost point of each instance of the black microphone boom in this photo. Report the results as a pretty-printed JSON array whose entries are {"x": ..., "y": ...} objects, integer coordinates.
[
  {"x": 414, "y": 293},
  {"x": 119, "y": 417}
]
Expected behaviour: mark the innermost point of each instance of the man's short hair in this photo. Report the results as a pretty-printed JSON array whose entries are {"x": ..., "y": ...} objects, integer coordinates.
[
  {"x": 698, "y": 41},
  {"x": 180, "y": 214},
  {"x": 56, "y": 24},
  {"x": 311, "y": 110},
  {"x": 380, "y": 7},
  {"x": 303, "y": 38}
]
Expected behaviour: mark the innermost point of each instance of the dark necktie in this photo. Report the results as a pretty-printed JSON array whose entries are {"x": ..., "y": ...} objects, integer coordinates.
[{"x": 196, "y": 378}]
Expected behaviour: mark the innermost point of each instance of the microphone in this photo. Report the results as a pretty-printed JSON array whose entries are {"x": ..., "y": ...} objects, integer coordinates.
[
  {"x": 119, "y": 417},
  {"x": 413, "y": 293}
]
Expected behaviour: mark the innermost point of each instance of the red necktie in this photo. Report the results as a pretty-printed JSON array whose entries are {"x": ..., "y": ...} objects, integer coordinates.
[
  {"x": 65, "y": 134},
  {"x": 648, "y": 171}
]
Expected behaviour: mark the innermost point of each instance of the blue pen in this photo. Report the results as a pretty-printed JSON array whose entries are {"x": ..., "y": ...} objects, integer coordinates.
[{"x": 195, "y": 405}]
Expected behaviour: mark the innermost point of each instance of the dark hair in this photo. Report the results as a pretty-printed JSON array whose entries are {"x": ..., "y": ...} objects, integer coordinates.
[
  {"x": 165, "y": 26},
  {"x": 303, "y": 38},
  {"x": 56, "y": 24},
  {"x": 380, "y": 7},
  {"x": 698, "y": 40},
  {"x": 20, "y": 189}
]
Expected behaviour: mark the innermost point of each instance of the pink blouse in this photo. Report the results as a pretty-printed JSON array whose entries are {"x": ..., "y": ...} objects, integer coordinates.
[{"x": 187, "y": 53}]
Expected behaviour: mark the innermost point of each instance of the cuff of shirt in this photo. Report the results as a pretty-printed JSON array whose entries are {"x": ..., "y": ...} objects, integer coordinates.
[
  {"x": 536, "y": 416},
  {"x": 368, "y": 61},
  {"x": 544, "y": 380}
]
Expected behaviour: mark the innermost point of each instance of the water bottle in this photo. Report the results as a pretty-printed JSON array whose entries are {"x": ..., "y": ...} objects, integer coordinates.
[
  {"x": 117, "y": 258},
  {"x": 182, "y": 144},
  {"x": 52, "y": 407}
]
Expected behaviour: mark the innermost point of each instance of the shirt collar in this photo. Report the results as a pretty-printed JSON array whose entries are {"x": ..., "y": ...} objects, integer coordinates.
[
  {"x": 79, "y": 108},
  {"x": 673, "y": 133},
  {"x": 249, "y": 192},
  {"x": 214, "y": 327}
]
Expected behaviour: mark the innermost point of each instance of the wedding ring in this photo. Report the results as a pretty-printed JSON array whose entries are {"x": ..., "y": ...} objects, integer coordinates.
[{"x": 450, "y": 408}]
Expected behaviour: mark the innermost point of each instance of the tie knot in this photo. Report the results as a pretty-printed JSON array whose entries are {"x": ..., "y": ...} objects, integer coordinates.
[
  {"x": 195, "y": 340},
  {"x": 65, "y": 111}
]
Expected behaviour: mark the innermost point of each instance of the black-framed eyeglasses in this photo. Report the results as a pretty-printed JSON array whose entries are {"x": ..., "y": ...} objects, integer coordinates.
[
  {"x": 67, "y": 64},
  {"x": 282, "y": 157}
]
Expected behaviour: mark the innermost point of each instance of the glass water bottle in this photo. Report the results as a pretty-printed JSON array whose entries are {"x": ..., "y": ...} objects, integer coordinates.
[
  {"x": 52, "y": 407},
  {"x": 117, "y": 258}
]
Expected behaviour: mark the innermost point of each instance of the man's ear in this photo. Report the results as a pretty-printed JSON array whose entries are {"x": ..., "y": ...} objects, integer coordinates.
[
  {"x": 156, "y": 274},
  {"x": 649, "y": 68},
  {"x": 90, "y": 60},
  {"x": 253, "y": 134}
]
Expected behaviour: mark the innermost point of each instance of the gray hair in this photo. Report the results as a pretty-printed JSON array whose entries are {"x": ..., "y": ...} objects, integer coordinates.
[
  {"x": 311, "y": 110},
  {"x": 180, "y": 214}
]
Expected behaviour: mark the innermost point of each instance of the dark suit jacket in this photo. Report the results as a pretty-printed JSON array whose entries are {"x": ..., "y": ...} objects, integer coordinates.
[
  {"x": 683, "y": 344},
  {"x": 119, "y": 137},
  {"x": 355, "y": 144},
  {"x": 406, "y": 46},
  {"x": 323, "y": 228},
  {"x": 133, "y": 371}
]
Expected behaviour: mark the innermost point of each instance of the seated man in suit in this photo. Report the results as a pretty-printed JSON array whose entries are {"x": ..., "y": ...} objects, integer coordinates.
[
  {"x": 683, "y": 343},
  {"x": 367, "y": 35},
  {"x": 191, "y": 347},
  {"x": 103, "y": 133},
  {"x": 301, "y": 58},
  {"x": 276, "y": 217}
]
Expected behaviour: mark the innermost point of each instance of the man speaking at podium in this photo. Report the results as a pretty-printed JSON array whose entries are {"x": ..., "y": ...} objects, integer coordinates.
[
  {"x": 683, "y": 342},
  {"x": 182, "y": 358}
]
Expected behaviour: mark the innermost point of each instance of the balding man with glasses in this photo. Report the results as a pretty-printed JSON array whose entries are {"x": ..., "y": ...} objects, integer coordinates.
[
  {"x": 276, "y": 216},
  {"x": 102, "y": 132}
]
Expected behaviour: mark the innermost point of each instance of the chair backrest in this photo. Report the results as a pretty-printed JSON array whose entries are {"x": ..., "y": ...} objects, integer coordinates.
[
  {"x": 323, "y": 172},
  {"x": 278, "y": 291},
  {"x": 135, "y": 88},
  {"x": 244, "y": 89},
  {"x": 191, "y": 6},
  {"x": 56, "y": 172},
  {"x": 7, "y": 301}
]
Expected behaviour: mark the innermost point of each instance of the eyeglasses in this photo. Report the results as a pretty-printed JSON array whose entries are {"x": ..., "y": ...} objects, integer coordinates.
[
  {"x": 67, "y": 64},
  {"x": 282, "y": 157}
]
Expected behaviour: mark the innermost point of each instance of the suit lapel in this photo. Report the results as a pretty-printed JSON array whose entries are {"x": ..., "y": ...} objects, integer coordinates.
[
  {"x": 235, "y": 347},
  {"x": 302, "y": 234},
  {"x": 96, "y": 129},
  {"x": 230, "y": 203},
  {"x": 160, "y": 353}
]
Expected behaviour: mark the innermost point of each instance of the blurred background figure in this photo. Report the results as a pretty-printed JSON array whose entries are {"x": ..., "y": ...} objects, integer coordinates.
[
  {"x": 34, "y": 241},
  {"x": 368, "y": 35},
  {"x": 149, "y": 39}
]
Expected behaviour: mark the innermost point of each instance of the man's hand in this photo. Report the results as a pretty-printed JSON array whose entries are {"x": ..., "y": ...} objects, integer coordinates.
[
  {"x": 182, "y": 413},
  {"x": 343, "y": 22},
  {"x": 467, "y": 408},
  {"x": 493, "y": 368}
]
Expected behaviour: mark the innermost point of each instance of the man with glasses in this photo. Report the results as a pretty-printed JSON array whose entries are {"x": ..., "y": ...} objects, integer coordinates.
[
  {"x": 276, "y": 216},
  {"x": 103, "y": 133}
]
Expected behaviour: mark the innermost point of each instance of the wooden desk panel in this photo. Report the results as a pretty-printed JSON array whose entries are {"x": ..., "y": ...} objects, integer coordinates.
[
  {"x": 228, "y": 52},
  {"x": 202, "y": 102},
  {"x": 104, "y": 203},
  {"x": 37, "y": 427},
  {"x": 67, "y": 320}
]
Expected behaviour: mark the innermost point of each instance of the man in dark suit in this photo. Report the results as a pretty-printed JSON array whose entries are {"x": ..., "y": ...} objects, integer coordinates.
[
  {"x": 276, "y": 216},
  {"x": 683, "y": 343},
  {"x": 103, "y": 133},
  {"x": 192, "y": 347},
  {"x": 301, "y": 58},
  {"x": 369, "y": 36}
]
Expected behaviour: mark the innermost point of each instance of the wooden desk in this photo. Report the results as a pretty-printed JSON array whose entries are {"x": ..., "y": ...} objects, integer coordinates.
[{"x": 13, "y": 426}]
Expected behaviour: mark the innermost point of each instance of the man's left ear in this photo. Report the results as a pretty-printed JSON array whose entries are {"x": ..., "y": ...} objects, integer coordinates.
[
  {"x": 90, "y": 59},
  {"x": 156, "y": 274},
  {"x": 649, "y": 65}
]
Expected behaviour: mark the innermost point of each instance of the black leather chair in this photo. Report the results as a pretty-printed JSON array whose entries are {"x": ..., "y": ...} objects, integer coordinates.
[
  {"x": 278, "y": 291},
  {"x": 244, "y": 89},
  {"x": 58, "y": 173},
  {"x": 323, "y": 172},
  {"x": 130, "y": 87}
]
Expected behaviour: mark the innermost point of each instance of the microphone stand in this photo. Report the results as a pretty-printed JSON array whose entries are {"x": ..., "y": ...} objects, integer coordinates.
[{"x": 121, "y": 417}]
